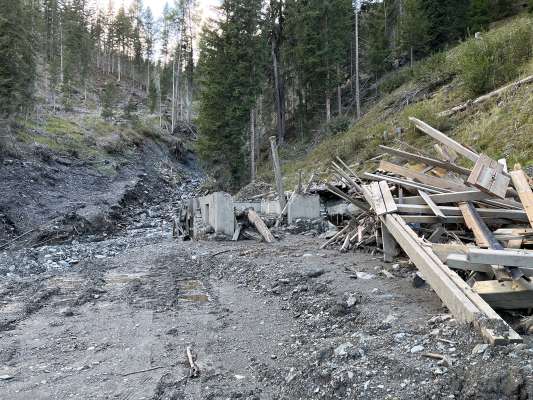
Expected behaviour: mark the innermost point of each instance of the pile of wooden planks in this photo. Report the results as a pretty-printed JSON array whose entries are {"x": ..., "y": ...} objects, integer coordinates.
[{"x": 469, "y": 231}]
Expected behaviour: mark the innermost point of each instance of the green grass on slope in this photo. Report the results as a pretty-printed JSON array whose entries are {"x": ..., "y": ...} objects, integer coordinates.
[{"x": 502, "y": 127}]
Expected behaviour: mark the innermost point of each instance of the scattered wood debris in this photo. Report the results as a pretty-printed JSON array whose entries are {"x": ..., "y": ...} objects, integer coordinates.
[{"x": 467, "y": 231}]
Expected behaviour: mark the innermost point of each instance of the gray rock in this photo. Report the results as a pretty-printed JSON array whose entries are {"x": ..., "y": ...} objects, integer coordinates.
[
  {"x": 417, "y": 349},
  {"x": 480, "y": 348}
]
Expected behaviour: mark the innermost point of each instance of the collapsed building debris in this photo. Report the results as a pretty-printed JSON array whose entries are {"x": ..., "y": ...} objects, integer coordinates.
[{"x": 467, "y": 231}]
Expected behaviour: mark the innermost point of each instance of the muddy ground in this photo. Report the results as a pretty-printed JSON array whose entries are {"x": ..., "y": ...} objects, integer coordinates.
[
  {"x": 281, "y": 321},
  {"x": 102, "y": 303}
]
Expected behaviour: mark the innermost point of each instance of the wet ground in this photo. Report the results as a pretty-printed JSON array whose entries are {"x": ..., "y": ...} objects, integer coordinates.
[{"x": 280, "y": 321}]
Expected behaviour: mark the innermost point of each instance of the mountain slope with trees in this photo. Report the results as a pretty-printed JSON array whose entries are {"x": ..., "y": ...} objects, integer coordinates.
[{"x": 312, "y": 68}]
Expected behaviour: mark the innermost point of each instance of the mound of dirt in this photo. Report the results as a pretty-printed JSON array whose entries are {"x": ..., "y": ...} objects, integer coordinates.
[{"x": 253, "y": 189}]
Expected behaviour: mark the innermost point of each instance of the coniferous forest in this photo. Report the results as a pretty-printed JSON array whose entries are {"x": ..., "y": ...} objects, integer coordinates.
[{"x": 256, "y": 68}]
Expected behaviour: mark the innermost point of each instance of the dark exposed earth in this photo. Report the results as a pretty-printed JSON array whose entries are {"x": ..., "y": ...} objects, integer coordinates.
[{"x": 105, "y": 305}]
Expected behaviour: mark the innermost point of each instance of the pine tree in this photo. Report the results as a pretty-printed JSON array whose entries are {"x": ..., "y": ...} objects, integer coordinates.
[
  {"x": 228, "y": 69},
  {"x": 17, "y": 49},
  {"x": 479, "y": 15},
  {"x": 107, "y": 100},
  {"x": 414, "y": 29}
]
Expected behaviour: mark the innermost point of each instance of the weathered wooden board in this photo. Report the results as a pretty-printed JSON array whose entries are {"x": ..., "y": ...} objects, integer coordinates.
[
  {"x": 461, "y": 300},
  {"x": 431, "y": 204},
  {"x": 514, "y": 215},
  {"x": 483, "y": 237},
  {"x": 455, "y": 197},
  {"x": 516, "y": 258},
  {"x": 390, "y": 246},
  {"x": 460, "y": 261},
  {"x": 426, "y": 160},
  {"x": 488, "y": 176},
  {"x": 521, "y": 184},
  {"x": 447, "y": 141},
  {"x": 419, "y": 177},
  {"x": 505, "y": 295}
]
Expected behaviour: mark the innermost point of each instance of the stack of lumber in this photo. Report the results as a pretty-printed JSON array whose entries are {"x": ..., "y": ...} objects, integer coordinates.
[{"x": 467, "y": 230}]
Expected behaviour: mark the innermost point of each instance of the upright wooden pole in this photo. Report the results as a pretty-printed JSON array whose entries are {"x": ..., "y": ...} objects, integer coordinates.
[{"x": 277, "y": 172}]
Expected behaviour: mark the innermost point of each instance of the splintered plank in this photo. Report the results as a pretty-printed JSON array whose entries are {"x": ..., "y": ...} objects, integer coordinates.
[
  {"x": 419, "y": 177},
  {"x": 488, "y": 176},
  {"x": 505, "y": 295},
  {"x": 521, "y": 184},
  {"x": 447, "y": 141},
  {"x": 434, "y": 207},
  {"x": 378, "y": 194}
]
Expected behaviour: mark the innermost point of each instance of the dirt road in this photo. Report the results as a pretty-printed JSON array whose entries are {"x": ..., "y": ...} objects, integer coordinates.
[{"x": 282, "y": 321}]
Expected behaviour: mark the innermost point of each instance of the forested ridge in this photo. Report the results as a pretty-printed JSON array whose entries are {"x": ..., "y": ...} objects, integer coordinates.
[{"x": 257, "y": 68}]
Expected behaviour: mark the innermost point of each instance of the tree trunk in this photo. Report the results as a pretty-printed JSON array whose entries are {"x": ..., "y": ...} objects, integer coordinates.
[
  {"x": 328, "y": 108},
  {"x": 252, "y": 144},
  {"x": 280, "y": 112},
  {"x": 357, "y": 88},
  {"x": 339, "y": 100},
  {"x": 277, "y": 172},
  {"x": 173, "y": 95}
]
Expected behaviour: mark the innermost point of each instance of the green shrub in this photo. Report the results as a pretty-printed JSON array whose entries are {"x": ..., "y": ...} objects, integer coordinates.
[
  {"x": 496, "y": 58},
  {"x": 338, "y": 125}
]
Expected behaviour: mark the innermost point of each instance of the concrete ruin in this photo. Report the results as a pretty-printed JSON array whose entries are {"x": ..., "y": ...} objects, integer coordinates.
[
  {"x": 216, "y": 211},
  {"x": 303, "y": 206}
]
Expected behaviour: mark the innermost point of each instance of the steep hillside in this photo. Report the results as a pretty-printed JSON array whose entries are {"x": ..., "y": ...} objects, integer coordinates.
[
  {"x": 501, "y": 127},
  {"x": 66, "y": 170}
]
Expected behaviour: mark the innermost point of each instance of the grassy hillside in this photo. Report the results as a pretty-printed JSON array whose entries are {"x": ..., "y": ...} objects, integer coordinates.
[
  {"x": 501, "y": 127},
  {"x": 79, "y": 132}
]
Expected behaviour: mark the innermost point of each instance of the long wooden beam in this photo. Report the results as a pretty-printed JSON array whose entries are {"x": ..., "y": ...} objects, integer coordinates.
[
  {"x": 521, "y": 184},
  {"x": 441, "y": 137},
  {"x": 419, "y": 177},
  {"x": 514, "y": 215},
  {"x": 518, "y": 258},
  {"x": 454, "y": 197},
  {"x": 460, "y": 261},
  {"x": 426, "y": 160},
  {"x": 465, "y": 304}
]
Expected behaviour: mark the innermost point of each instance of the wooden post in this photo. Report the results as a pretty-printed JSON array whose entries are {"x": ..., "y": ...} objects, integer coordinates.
[
  {"x": 390, "y": 247},
  {"x": 277, "y": 172}
]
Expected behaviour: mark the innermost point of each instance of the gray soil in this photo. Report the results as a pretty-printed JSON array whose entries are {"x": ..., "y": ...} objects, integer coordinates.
[
  {"x": 282, "y": 321},
  {"x": 104, "y": 304}
]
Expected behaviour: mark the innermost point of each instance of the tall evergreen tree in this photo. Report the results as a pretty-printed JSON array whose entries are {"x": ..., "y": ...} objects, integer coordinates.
[
  {"x": 414, "y": 29},
  {"x": 229, "y": 69},
  {"x": 17, "y": 50}
]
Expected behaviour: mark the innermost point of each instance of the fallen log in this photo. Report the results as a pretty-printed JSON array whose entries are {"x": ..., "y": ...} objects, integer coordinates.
[
  {"x": 259, "y": 224},
  {"x": 485, "y": 97}
]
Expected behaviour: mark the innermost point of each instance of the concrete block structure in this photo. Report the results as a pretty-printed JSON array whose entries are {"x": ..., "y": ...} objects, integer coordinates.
[
  {"x": 217, "y": 210},
  {"x": 303, "y": 206},
  {"x": 270, "y": 207}
]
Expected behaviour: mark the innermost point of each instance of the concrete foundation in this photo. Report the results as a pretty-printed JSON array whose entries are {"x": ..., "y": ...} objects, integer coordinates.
[
  {"x": 303, "y": 206},
  {"x": 217, "y": 211}
]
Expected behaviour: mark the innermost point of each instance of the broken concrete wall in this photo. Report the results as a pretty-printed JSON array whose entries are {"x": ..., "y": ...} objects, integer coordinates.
[
  {"x": 241, "y": 206},
  {"x": 217, "y": 211},
  {"x": 270, "y": 207},
  {"x": 303, "y": 206}
]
